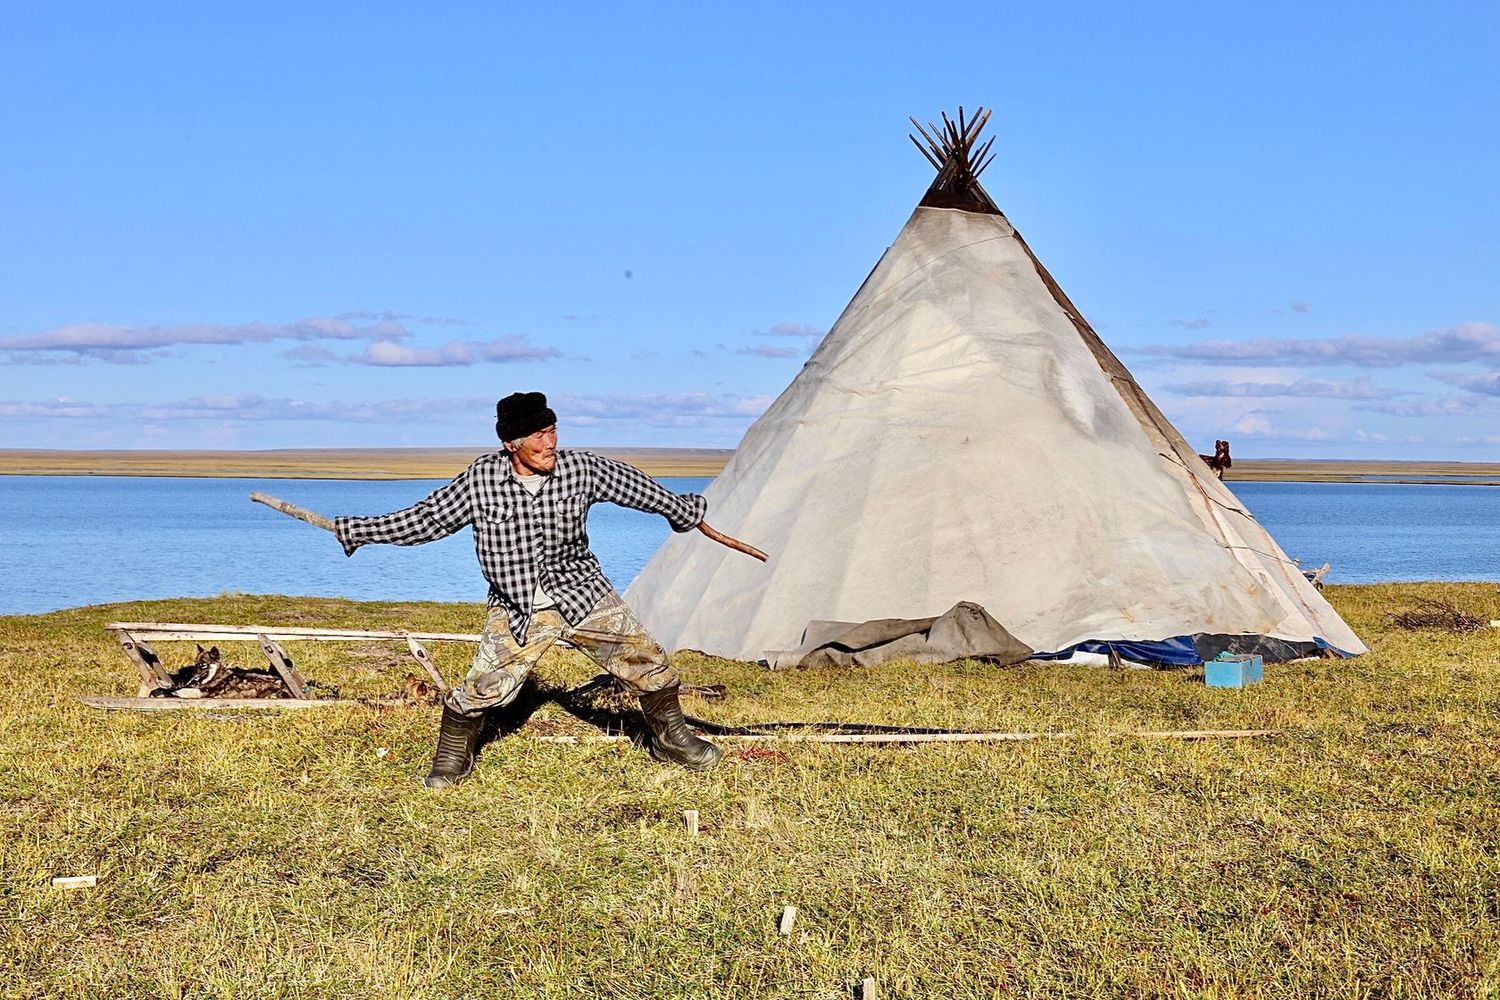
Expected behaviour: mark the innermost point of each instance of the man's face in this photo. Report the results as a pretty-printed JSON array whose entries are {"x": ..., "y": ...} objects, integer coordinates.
[{"x": 536, "y": 454}]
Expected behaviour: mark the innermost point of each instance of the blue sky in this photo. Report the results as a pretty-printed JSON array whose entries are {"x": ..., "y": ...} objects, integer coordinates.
[{"x": 323, "y": 225}]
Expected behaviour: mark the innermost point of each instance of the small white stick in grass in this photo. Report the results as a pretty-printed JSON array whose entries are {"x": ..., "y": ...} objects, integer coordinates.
[
  {"x": 690, "y": 820},
  {"x": 75, "y": 881},
  {"x": 788, "y": 918},
  {"x": 868, "y": 990}
]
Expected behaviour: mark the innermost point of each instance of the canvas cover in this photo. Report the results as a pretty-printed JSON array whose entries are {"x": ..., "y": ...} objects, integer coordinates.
[
  {"x": 964, "y": 631},
  {"x": 961, "y": 435}
]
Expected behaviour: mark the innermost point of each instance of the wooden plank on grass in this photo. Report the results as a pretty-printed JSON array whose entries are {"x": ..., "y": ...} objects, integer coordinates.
[
  {"x": 282, "y": 664},
  {"x": 205, "y": 704},
  {"x": 153, "y": 674},
  {"x": 187, "y": 632}
]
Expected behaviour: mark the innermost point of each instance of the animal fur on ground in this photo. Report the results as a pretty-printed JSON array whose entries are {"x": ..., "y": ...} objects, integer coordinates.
[{"x": 208, "y": 676}]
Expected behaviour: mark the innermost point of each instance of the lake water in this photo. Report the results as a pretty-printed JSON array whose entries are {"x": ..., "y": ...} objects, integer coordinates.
[{"x": 67, "y": 541}]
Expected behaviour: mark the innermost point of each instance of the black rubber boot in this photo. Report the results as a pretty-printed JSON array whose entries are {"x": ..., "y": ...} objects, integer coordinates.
[
  {"x": 671, "y": 741},
  {"x": 457, "y": 740}
]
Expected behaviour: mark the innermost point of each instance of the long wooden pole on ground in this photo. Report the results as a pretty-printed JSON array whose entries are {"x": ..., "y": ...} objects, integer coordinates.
[
  {"x": 169, "y": 631},
  {"x": 207, "y": 704},
  {"x": 199, "y": 704},
  {"x": 877, "y": 738}
]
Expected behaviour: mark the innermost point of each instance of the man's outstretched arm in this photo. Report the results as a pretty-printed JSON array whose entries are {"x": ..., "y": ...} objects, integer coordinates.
[
  {"x": 630, "y": 487},
  {"x": 438, "y": 516}
]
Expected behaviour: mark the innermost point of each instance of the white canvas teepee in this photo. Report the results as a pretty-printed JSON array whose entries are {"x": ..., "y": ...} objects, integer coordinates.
[{"x": 962, "y": 435}]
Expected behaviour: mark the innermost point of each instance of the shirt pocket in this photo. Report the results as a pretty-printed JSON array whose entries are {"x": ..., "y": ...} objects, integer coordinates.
[
  {"x": 572, "y": 516},
  {"x": 495, "y": 516}
]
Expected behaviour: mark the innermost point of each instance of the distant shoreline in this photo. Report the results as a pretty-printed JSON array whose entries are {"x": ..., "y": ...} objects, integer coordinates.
[
  {"x": 442, "y": 463},
  {"x": 321, "y": 463}
]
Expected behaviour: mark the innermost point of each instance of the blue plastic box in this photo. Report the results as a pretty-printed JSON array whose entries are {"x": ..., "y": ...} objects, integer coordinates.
[{"x": 1233, "y": 670}]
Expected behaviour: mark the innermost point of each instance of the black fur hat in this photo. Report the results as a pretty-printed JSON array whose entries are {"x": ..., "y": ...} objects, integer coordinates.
[{"x": 522, "y": 414}]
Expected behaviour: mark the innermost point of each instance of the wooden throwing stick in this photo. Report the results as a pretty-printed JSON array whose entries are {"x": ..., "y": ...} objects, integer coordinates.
[
  {"x": 733, "y": 543},
  {"x": 292, "y": 510}
]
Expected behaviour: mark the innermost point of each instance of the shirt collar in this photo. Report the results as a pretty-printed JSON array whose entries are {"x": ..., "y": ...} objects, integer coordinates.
[{"x": 510, "y": 470}]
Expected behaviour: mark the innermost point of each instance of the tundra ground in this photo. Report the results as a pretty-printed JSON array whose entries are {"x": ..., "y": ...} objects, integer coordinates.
[{"x": 294, "y": 854}]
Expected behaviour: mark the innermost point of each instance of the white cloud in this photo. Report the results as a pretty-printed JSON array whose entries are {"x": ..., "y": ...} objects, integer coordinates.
[
  {"x": 42, "y": 358},
  {"x": 688, "y": 409},
  {"x": 1301, "y": 388},
  {"x": 240, "y": 407},
  {"x": 63, "y": 409},
  {"x": 1260, "y": 425},
  {"x": 310, "y": 355},
  {"x": 390, "y": 353},
  {"x": 1484, "y": 383},
  {"x": 1431, "y": 406},
  {"x": 385, "y": 315},
  {"x": 251, "y": 407},
  {"x": 455, "y": 353},
  {"x": 771, "y": 351},
  {"x": 1379, "y": 437},
  {"x": 792, "y": 330},
  {"x": 1464, "y": 342},
  {"x": 112, "y": 342},
  {"x": 658, "y": 408},
  {"x": 1252, "y": 423},
  {"x": 391, "y": 316}
]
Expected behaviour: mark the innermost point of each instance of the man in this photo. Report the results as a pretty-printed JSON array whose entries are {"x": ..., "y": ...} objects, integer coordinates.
[{"x": 528, "y": 505}]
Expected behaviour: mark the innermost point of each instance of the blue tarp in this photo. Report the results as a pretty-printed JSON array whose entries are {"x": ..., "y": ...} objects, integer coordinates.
[{"x": 1178, "y": 651}]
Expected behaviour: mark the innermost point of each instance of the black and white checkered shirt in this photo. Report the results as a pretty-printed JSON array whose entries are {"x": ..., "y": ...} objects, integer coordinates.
[{"x": 523, "y": 540}]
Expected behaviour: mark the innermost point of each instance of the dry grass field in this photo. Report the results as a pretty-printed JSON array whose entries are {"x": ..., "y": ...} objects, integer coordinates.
[
  {"x": 273, "y": 854},
  {"x": 1344, "y": 471},
  {"x": 440, "y": 463}
]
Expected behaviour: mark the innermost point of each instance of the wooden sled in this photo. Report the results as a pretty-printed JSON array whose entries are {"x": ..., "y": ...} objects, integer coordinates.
[
  {"x": 136, "y": 639},
  {"x": 1315, "y": 576}
]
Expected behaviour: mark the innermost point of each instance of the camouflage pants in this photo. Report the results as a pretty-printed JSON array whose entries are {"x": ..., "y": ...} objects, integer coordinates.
[{"x": 610, "y": 635}]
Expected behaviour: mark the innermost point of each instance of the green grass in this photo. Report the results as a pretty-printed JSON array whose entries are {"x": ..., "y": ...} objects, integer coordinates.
[{"x": 278, "y": 854}]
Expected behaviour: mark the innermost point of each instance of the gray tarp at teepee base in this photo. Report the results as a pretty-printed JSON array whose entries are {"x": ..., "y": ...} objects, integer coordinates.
[{"x": 966, "y": 631}]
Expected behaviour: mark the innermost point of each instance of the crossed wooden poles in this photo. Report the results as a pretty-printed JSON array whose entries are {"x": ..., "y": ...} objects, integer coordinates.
[{"x": 954, "y": 149}]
